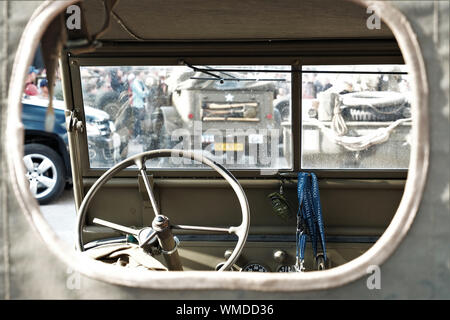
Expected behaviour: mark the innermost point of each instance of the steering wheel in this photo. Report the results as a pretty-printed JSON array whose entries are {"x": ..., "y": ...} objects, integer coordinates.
[{"x": 161, "y": 226}]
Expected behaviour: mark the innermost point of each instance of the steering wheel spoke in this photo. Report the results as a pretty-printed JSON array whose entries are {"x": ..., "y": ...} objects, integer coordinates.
[
  {"x": 150, "y": 192},
  {"x": 205, "y": 229},
  {"x": 144, "y": 235},
  {"x": 117, "y": 227}
]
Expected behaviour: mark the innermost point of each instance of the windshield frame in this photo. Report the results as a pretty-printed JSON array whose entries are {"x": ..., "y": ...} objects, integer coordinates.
[{"x": 72, "y": 68}]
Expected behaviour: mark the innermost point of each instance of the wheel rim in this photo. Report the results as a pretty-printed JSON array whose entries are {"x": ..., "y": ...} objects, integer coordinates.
[{"x": 41, "y": 173}]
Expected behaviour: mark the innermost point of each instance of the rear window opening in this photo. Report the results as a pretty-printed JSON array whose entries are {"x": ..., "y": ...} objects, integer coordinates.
[{"x": 290, "y": 155}]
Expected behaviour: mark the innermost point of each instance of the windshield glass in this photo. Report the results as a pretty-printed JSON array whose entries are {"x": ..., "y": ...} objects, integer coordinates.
[
  {"x": 356, "y": 117},
  {"x": 236, "y": 115}
]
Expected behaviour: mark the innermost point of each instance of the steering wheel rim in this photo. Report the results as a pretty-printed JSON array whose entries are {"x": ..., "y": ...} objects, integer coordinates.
[{"x": 139, "y": 159}]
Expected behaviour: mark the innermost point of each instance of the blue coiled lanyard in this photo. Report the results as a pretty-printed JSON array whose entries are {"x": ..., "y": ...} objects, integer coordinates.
[{"x": 309, "y": 218}]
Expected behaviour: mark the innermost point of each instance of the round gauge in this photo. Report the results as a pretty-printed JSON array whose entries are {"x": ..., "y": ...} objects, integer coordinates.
[
  {"x": 254, "y": 267},
  {"x": 286, "y": 269}
]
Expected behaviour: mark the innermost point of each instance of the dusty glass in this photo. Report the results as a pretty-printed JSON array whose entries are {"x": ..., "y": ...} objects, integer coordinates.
[
  {"x": 355, "y": 117},
  {"x": 236, "y": 115}
]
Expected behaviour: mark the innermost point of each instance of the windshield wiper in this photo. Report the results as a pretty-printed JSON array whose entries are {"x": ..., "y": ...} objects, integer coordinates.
[
  {"x": 226, "y": 70},
  {"x": 238, "y": 79},
  {"x": 216, "y": 77},
  {"x": 225, "y": 73},
  {"x": 201, "y": 70}
]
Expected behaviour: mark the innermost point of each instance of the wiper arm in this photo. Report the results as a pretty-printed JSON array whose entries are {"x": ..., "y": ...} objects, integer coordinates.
[
  {"x": 238, "y": 79},
  {"x": 201, "y": 70},
  {"x": 216, "y": 77},
  {"x": 225, "y": 73}
]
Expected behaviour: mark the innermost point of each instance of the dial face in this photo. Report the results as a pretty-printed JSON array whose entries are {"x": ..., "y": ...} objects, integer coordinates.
[
  {"x": 286, "y": 269},
  {"x": 255, "y": 267}
]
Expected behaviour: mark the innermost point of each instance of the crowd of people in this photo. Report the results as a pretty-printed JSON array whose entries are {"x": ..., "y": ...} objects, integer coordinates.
[
  {"x": 36, "y": 84},
  {"x": 140, "y": 85},
  {"x": 312, "y": 85},
  {"x": 132, "y": 97}
]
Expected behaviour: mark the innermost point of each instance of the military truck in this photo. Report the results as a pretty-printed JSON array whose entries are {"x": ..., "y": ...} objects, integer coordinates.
[{"x": 229, "y": 117}]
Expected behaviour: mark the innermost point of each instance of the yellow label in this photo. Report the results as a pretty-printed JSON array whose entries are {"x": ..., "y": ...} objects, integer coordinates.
[{"x": 228, "y": 146}]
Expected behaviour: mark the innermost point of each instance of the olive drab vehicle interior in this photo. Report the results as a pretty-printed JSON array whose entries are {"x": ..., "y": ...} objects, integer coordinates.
[{"x": 250, "y": 144}]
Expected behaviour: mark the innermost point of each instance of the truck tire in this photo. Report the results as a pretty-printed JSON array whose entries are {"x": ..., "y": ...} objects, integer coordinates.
[
  {"x": 45, "y": 171},
  {"x": 377, "y": 99}
]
